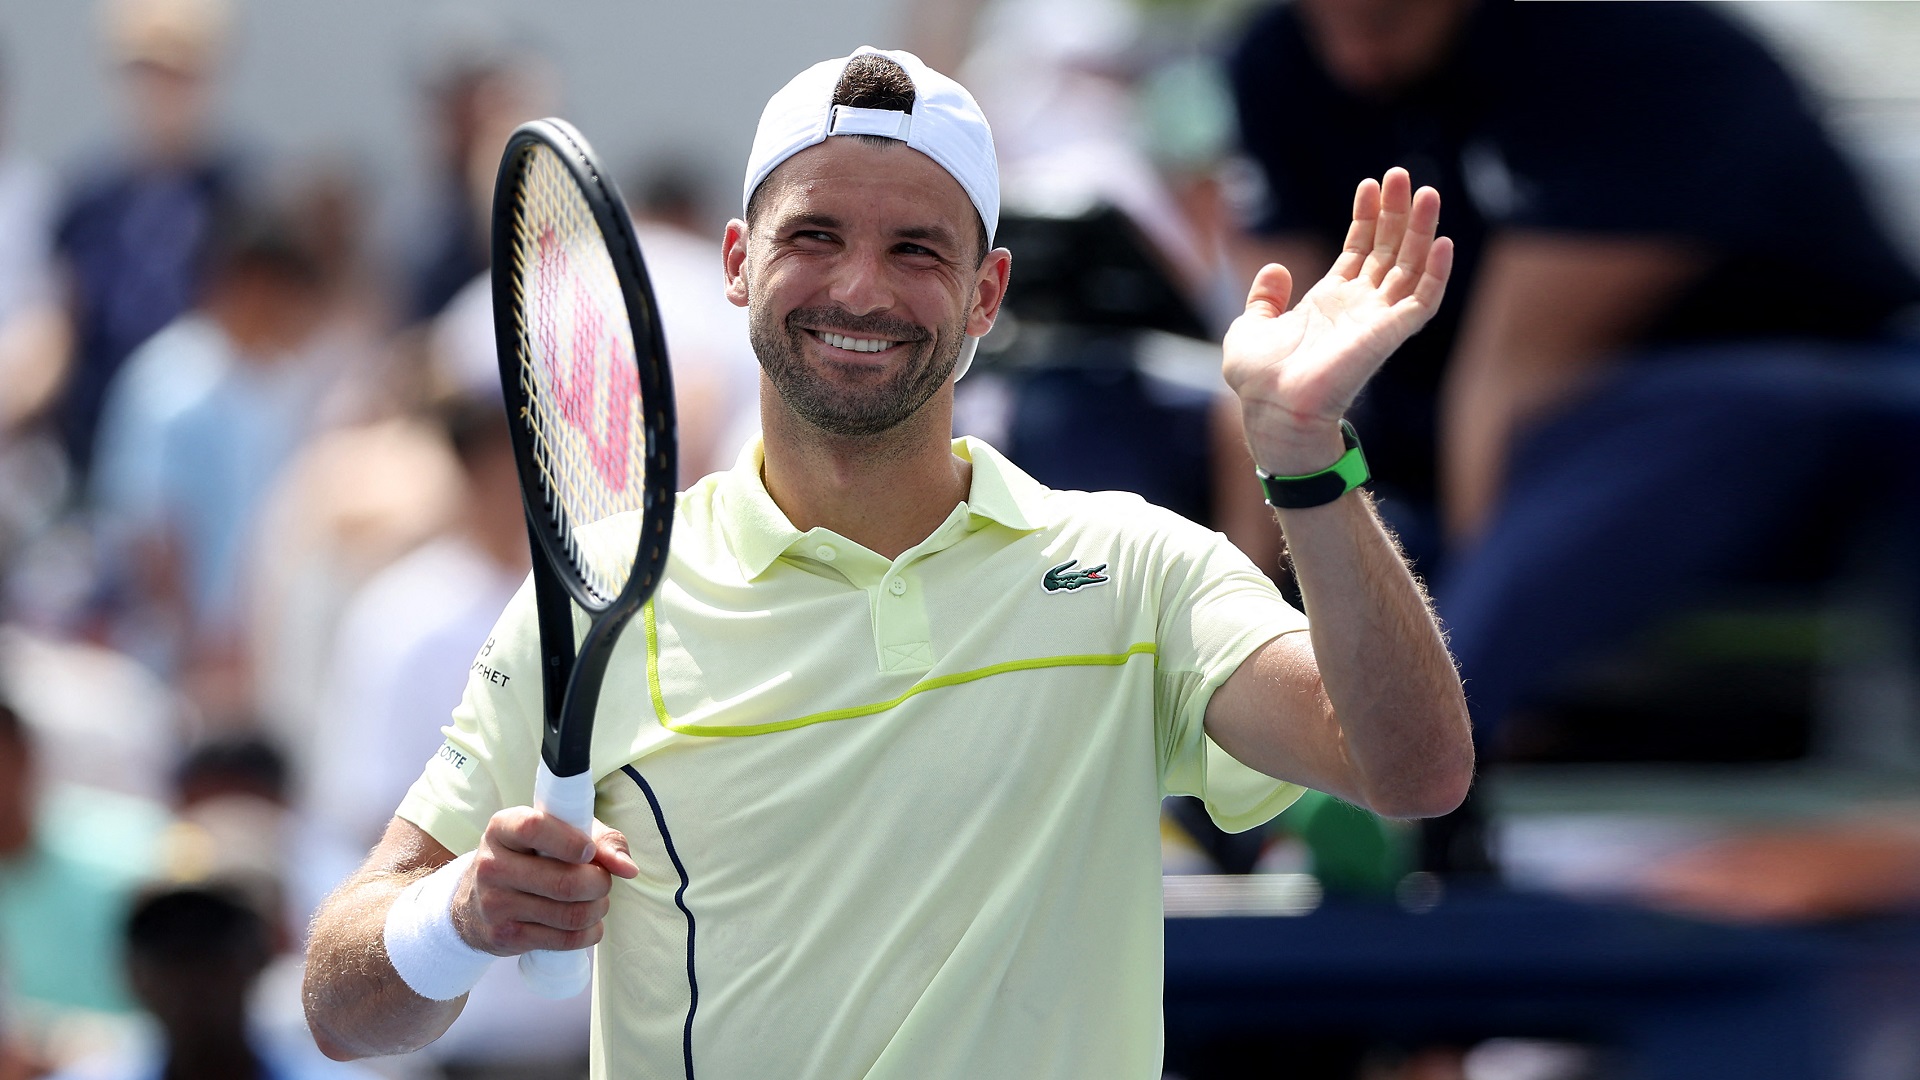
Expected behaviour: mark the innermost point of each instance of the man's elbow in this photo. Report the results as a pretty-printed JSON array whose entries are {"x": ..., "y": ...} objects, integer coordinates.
[
  {"x": 338, "y": 1038},
  {"x": 328, "y": 1044},
  {"x": 1432, "y": 798},
  {"x": 1436, "y": 784}
]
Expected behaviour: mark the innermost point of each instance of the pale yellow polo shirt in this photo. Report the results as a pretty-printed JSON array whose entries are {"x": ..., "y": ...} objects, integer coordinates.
[{"x": 912, "y": 806}]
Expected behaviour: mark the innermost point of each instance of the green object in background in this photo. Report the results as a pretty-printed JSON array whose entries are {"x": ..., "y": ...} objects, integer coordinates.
[
  {"x": 1184, "y": 114},
  {"x": 1354, "y": 852},
  {"x": 64, "y": 902}
]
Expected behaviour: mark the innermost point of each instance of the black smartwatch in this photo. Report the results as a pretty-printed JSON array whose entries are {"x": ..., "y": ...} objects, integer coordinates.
[{"x": 1319, "y": 488}]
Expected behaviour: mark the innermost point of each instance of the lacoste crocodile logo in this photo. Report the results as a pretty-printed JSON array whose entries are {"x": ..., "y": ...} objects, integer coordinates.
[{"x": 1066, "y": 577}]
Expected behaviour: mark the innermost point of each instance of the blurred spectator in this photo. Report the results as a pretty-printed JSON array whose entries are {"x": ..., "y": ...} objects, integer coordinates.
[
  {"x": 34, "y": 334},
  {"x": 408, "y": 636},
  {"x": 199, "y": 426},
  {"x": 233, "y": 837},
  {"x": 1062, "y": 81},
  {"x": 100, "y": 719},
  {"x": 1111, "y": 374},
  {"x": 134, "y": 230},
  {"x": 354, "y": 500},
  {"x": 231, "y": 766},
  {"x": 716, "y": 378},
  {"x": 194, "y": 954},
  {"x": 374, "y": 481},
  {"x": 484, "y": 83},
  {"x": 1662, "y": 350},
  {"x": 69, "y": 864},
  {"x": 1852, "y": 868},
  {"x": 369, "y": 371}
]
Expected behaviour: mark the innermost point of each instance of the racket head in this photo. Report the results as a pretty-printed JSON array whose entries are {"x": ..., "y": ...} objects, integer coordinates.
[{"x": 583, "y": 364}]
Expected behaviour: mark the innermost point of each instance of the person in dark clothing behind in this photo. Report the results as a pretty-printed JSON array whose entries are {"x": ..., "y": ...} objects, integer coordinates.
[
  {"x": 1673, "y": 338},
  {"x": 195, "y": 952},
  {"x": 133, "y": 232},
  {"x": 192, "y": 956},
  {"x": 486, "y": 82}
]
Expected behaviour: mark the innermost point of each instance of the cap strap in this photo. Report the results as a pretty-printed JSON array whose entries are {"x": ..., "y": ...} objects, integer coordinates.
[{"x": 848, "y": 120}]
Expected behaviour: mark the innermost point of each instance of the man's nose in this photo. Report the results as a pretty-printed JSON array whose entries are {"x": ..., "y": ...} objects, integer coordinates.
[{"x": 860, "y": 284}]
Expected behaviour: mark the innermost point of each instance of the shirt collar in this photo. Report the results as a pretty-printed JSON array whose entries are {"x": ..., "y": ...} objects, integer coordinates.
[
  {"x": 759, "y": 533},
  {"x": 1001, "y": 492}
]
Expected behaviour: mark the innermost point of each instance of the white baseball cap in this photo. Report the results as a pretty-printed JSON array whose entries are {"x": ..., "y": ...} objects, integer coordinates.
[{"x": 944, "y": 123}]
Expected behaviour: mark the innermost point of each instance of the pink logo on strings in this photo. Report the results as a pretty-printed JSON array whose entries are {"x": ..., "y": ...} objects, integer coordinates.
[{"x": 604, "y": 420}]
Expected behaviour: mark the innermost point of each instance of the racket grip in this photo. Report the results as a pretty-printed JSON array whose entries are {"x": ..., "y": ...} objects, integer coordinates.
[{"x": 549, "y": 974}]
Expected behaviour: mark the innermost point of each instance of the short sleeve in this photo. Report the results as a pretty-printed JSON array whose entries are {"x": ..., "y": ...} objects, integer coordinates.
[
  {"x": 492, "y": 746},
  {"x": 1216, "y": 609}
]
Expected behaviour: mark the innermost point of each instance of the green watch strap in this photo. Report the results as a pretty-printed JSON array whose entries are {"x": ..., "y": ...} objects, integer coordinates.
[{"x": 1319, "y": 488}]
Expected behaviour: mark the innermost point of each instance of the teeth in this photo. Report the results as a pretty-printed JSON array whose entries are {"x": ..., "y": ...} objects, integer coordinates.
[{"x": 854, "y": 344}]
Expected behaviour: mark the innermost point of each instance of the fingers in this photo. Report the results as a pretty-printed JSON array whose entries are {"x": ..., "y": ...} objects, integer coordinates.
[
  {"x": 537, "y": 932},
  {"x": 524, "y": 829},
  {"x": 1392, "y": 241},
  {"x": 611, "y": 852},
  {"x": 1396, "y": 208},
  {"x": 1360, "y": 235},
  {"x": 534, "y": 875},
  {"x": 539, "y": 883},
  {"x": 1416, "y": 243},
  {"x": 522, "y": 903},
  {"x": 1433, "y": 278},
  {"x": 1272, "y": 289}
]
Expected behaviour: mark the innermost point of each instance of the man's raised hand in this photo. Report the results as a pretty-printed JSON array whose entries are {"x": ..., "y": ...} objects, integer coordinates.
[
  {"x": 1297, "y": 372},
  {"x": 539, "y": 883}
]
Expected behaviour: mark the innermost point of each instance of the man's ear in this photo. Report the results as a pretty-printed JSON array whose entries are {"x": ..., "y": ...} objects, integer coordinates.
[
  {"x": 734, "y": 256},
  {"x": 990, "y": 288}
]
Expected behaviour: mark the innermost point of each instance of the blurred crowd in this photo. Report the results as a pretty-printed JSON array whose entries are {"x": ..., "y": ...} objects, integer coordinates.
[{"x": 258, "y": 509}]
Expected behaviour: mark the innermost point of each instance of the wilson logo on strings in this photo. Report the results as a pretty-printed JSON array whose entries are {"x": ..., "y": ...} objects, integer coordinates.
[{"x": 572, "y": 334}]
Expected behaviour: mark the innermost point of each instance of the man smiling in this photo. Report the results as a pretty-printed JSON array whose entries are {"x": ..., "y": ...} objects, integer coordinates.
[
  {"x": 878, "y": 775},
  {"x": 881, "y": 362}
]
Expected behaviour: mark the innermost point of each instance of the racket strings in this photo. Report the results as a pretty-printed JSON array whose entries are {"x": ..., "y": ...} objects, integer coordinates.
[{"x": 577, "y": 370}]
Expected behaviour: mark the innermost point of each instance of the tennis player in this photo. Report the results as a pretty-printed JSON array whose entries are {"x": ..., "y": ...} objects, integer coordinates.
[{"x": 879, "y": 770}]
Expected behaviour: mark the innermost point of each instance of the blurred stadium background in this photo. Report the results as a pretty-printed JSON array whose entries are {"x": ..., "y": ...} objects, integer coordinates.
[{"x": 213, "y": 741}]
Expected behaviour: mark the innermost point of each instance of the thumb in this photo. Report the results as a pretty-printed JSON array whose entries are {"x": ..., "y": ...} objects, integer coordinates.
[
  {"x": 611, "y": 852},
  {"x": 1272, "y": 288}
]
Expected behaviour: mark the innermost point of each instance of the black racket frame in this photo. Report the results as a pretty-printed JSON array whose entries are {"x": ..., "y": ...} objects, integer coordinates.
[{"x": 571, "y": 678}]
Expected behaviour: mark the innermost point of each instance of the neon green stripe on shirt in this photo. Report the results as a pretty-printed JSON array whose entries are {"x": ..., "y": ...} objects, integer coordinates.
[{"x": 1142, "y": 648}]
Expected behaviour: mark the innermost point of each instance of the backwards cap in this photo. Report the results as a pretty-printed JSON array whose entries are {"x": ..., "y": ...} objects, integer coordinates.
[{"x": 945, "y": 124}]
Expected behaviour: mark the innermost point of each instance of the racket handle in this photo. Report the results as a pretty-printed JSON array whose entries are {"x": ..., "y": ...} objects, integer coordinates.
[{"x": 550, "y": 974}]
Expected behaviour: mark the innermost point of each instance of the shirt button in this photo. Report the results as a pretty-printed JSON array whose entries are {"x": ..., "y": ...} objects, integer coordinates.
[
  {"x": 826, "y": 552},
  {"x": 898, "y": 587}
]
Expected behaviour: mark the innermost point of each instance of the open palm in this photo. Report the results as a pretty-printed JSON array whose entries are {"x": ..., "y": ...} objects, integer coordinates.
[{"x": 1298, "y": 371}]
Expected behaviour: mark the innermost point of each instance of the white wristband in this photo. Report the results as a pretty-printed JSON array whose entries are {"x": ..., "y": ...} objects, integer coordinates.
[{"x": 430, "y": 955}]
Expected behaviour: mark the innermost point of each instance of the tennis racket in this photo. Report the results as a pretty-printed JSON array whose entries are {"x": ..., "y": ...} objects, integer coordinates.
[{"x": 590, "y": 402}]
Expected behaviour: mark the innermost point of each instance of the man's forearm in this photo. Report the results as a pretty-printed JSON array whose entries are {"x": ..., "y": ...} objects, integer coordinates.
[
  {"x": 1374, "y": 709},
  {"x": 1382, "y": 660},
  {"x": 357, "y": 1004},
  {"x": 1548, "y": 311},
  {"x": 535, "y": 882}
]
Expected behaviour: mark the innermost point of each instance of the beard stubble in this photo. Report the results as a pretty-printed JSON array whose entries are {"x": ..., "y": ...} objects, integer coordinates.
[{"x": 859, "y": 412}]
